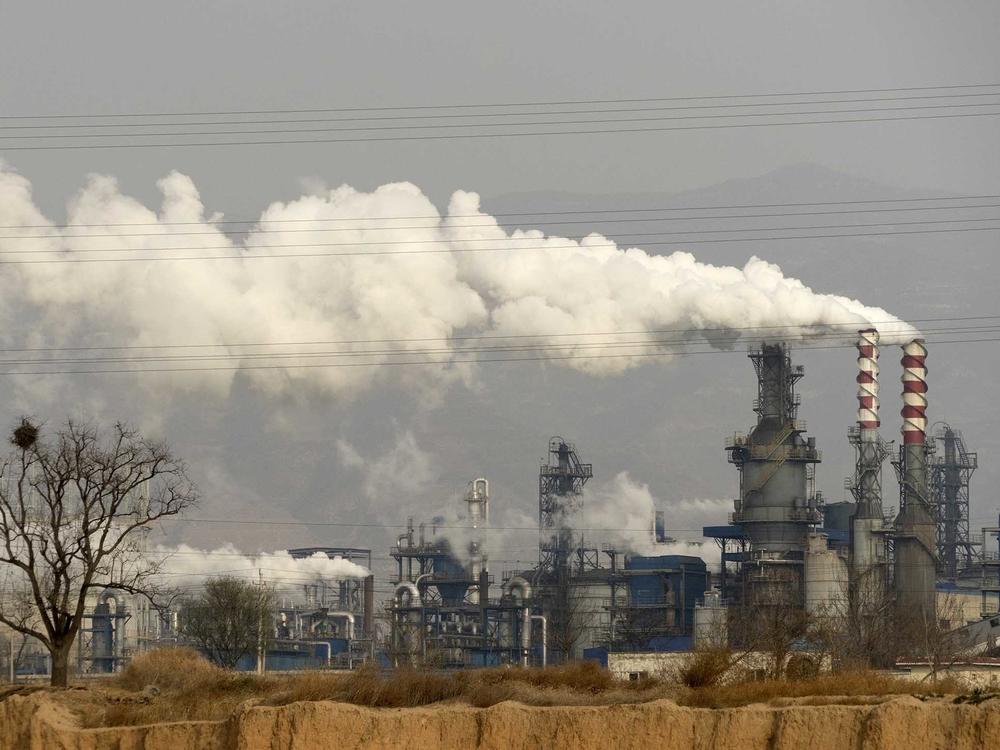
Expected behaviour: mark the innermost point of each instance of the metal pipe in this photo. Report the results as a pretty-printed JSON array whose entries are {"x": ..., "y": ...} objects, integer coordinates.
[
  {"x": 410, "y": 588},
  {"x": 524, "y": 588},
  {"x": 520, "y": 584},
  {"x": 349, "y": 616},
  {"x": 545, "y": 638}
]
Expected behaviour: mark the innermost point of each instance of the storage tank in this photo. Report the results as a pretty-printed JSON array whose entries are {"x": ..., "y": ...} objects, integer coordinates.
[{"x": 826, "y": 579}]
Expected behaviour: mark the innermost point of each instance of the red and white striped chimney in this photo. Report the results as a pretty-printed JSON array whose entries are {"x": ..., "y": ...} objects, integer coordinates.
[
  {"x": 868, "y": 379},
  {"x": 914, "y": 411}
]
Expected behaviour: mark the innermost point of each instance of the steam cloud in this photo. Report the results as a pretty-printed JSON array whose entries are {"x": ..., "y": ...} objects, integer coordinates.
[
  {"x": 185, "y": 566},
  {"x": 559, "y": 286},
  {"x": 621, "y": 512}
]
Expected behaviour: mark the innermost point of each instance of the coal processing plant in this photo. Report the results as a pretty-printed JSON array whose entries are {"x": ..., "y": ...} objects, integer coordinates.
[
  {"x": 884, "y": 571},
  {"x": 863, "y": 563}
]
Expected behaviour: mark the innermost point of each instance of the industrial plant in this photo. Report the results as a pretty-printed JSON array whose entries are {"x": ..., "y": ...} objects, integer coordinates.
[{"x": 906, "y": 564}]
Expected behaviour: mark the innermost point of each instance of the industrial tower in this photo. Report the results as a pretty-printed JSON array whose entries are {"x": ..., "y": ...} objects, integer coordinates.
[
  {"x": 951, "y": 471},
  {"x": 560, "y": 488},
  {"x": 777, "y": 507},
  {"x": 915, "y": 533},
  {"x": 869, "y": 532},
  {"x": 561, "y": 479}
]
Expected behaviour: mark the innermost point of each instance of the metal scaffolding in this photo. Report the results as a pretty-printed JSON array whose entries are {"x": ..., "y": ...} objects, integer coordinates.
[{"x": 950, "y": 473}]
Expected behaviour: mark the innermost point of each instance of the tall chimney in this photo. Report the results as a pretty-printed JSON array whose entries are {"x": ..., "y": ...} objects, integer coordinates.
[
  {"x": 915, "y": 527},
  {"x": 868, "y": 421},
  {"x": 868, "y": 544},
  {"x": 914, "y": 411}
]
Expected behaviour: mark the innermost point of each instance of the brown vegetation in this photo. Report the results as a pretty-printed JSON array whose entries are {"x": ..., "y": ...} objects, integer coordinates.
[
  {"x": 844, "y": 686},
  {"x": 177, "y": 684}
]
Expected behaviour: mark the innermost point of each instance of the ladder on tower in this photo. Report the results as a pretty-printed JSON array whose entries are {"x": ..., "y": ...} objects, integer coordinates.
[{"x": 773, "y": 463}]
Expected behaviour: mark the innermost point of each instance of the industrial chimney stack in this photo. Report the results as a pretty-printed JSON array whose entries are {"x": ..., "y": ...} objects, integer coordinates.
[
  {"x": 915, "y": 526},
  {"x": 868, "y": 547}
]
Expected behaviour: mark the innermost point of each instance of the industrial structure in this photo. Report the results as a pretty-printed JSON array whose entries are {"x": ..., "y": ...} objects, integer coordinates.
[
  {"x": 315, "y": 623},
  {"x": 914, "y": 564},
  {"x": 778, "y": 506},
  {"x": 782, "y": 547},
  {"x": 951, "y": 470}
]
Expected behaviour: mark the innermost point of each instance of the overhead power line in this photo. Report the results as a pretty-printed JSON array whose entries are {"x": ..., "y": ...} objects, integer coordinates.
[
  {"x": 455, "y": 250},
  {"x": 508, "y": 214},
  {"x": 467, "y": 126},
  {"x": 466, "y": 136},
  {"x": 506, "y": 239},
  {"x": 436, "y": 363},
  {"x": 478, "y": 337},
  {"x": 717, "y": 342},
  {"x": 522, "y": 103},
  {"x": 257, "y": 230},
  {"x": 466, "y": 115}
]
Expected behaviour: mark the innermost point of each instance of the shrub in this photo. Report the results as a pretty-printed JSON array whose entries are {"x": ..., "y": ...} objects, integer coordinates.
[
  {"x": 168, "y": 669},
  {"x": 705, "y": 668}
]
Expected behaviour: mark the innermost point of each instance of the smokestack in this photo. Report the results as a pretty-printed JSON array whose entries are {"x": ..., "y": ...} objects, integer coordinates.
[
  {"x": 914, "y": 393},
  {"x": 915, "y": 527},
  {"x": 868, "y": 421},
  {"x": 868, "y": 551}
]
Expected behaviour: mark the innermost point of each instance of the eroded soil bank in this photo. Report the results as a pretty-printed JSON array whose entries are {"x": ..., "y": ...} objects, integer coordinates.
[{"x": 39, "y": 721}]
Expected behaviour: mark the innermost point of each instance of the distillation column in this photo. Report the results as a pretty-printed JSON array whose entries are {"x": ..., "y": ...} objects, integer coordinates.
[
  {"x": 477, "y": 497},
  {"x": 915, "y": 527},
  {"x": 777, "y": 506}
]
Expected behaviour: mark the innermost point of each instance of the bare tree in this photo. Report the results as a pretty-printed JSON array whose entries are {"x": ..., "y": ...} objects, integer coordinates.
[
  {"x": 569, "y": 618},
  {"x": 772, "y": 625},
  {"x": 72, "y": 511},
  {"x": 230, "y": 619}
]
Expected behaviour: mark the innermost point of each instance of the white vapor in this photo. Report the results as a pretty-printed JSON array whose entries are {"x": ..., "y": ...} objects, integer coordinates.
[
  {"x": 184, "y": 566},
  {"x": 410, "y": 300},
  {"x": 621, "y": 512}
]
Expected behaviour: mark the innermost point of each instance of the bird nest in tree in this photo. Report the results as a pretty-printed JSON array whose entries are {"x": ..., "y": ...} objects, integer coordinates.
[{"x": 25, "y": 435}]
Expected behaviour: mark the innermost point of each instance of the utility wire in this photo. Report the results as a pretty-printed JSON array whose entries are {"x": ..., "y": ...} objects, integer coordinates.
[
  {"x": 466, "y": 136},
  {"x": 543, "y": 113},
  {"x": 574, "y": 244},
  {"x": 534, "y": 103},
  {"x": 450, "y": 226},
  {"x": 438, "y": 363},
  {"x": 439, "y": 251},
  {"x": 717, "y": 342},
  {"x": 617, "y": 210},
  {"x": 537, "y": 123},
  {"x": 657, "y": 331}
]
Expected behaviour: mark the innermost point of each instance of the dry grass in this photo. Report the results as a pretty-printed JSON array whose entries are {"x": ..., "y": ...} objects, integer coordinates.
[
  {"x": 846, "y": 686},
  {"x": 705, "y": 668},
  {"x": 177, "y": 684},
  {"x": 174, "y": 684}
]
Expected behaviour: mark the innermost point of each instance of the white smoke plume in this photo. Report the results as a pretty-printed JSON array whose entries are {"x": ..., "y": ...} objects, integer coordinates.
[
  {"x": 419, "y": 299},
  {"x": 621, "y": 512},
  {"x": 186, "y": 567}
]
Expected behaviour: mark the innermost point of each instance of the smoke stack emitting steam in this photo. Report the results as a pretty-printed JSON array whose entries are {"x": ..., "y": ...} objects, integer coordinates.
[{"x": 470, "y": 277}]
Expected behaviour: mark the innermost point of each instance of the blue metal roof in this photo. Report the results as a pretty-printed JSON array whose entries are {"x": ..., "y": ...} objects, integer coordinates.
[{"x": 729, "y": 531}]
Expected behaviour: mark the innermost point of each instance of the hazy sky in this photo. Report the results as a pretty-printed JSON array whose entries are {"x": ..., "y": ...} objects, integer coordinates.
[
  {"x": 393, "y": 451},
  {"x": 107, "y": 57}
]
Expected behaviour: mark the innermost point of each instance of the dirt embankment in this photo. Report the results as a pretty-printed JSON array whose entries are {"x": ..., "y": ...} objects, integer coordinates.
[{"x": 38, "y": 722}]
